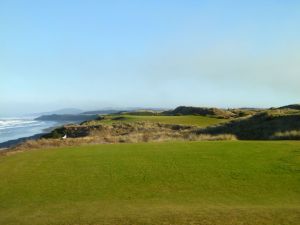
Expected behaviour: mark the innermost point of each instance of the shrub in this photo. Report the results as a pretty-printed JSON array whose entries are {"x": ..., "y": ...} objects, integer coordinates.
[{"x": 287, "y": 135}]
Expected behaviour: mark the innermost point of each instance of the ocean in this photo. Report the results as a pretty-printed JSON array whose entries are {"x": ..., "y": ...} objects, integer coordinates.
[{"x": 14, "y": 128}]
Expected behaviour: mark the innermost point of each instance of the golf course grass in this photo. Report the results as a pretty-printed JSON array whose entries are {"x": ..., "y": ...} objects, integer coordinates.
[
  {"x": 229, "y": 182},
  {"x": 201, "y": 121}
]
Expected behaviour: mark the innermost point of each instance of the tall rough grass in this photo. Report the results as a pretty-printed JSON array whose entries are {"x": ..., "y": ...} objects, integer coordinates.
[
  {"x": 287, "y": 135},
  {"x": 123, "y": 133}
]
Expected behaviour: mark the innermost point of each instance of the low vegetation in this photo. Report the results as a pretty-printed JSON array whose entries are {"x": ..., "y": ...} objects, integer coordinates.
[
  {"x": 202, "y": 111},
  {"x": 272, "y": 124},
  {"x": 262, "y": 126},
  {"x": 201, "y": 121},
  {"x": 165, "y": 181},
  {"x": 133, "y": 132},
  {"x": 219, "y": 183},
  {"x": 287, "y": 135}
]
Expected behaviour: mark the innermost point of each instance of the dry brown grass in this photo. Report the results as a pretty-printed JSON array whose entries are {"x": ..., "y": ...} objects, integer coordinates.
[
  {"x": 209, "y": 137},
  {"x": 287, "y": 135},
  {"x": 123, "y": 133}
]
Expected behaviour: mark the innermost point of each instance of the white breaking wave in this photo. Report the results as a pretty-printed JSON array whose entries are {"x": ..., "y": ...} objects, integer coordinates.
[
  {"x": 14, "y": 128},
  {"x": 15, "y": 123}
]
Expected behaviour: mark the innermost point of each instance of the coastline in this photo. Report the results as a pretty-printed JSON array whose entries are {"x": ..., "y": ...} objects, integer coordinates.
[
  {"x": 12, "y": 143},
  {"x": 7, "y": 145}
]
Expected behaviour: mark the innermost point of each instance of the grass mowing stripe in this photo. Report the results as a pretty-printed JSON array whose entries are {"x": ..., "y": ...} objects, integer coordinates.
[{"x": 260, "y": 180}]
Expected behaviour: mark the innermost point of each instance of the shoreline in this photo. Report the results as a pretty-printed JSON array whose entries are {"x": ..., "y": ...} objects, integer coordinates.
[
  {"x": 7, "y": 145},
  {"x": 12, "y": 143}
]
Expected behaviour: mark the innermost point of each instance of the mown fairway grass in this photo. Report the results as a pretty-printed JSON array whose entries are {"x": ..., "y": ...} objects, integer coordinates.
[
  {"x": 202, "y": 121},
  {"x": 153, "y": 183}
]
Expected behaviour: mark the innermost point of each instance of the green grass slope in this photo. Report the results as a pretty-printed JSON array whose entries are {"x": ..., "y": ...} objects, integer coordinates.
[
  {"x": 201, "y": 121},
  {"x": 203, "y": 111},
  {"x": 262, "y": 126},
  {"x": 161, "y": 183}
]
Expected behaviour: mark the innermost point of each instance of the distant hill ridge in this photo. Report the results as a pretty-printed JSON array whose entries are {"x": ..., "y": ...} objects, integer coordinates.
[
  {"x": 203, "y": 111},
  {"x": 101, "y": 112},
  {"x": 292, "y": 106},
  {"x": 67, "y": 117}
]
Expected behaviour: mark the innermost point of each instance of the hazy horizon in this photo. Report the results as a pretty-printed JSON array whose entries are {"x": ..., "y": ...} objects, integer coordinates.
[
  {"x": 34, "y": 113},
  {"x": 118, "y": 54}
]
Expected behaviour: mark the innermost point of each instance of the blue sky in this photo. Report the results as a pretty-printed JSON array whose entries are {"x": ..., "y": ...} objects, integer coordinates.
[{"x": 94, "y": 54}]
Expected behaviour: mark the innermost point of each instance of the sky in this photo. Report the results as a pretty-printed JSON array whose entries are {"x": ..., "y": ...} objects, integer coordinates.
[{"x": 93, "y": 54}]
